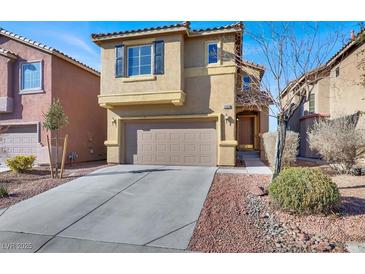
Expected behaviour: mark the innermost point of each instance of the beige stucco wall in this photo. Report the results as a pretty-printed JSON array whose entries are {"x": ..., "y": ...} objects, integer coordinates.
[
  {"x": 321, "y": 91},
  {"x": 347, "y": 95},
  {"x": 207, "y": 90},
  {"x": 335, "y": 95},
  {"x": 195, "y": 54},
  {"x": 264, "y": 127},
  {"x": 169, "y": 81},
  {"x": 204, "y": 95}
]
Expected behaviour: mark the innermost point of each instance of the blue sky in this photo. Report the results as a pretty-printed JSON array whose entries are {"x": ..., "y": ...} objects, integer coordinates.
[{"x": 73, "y": 38}]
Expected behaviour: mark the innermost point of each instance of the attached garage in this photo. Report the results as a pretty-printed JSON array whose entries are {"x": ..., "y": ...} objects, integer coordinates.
[
  {"x": 20, "y": 140},
  {"x": 171, "y": 143}
]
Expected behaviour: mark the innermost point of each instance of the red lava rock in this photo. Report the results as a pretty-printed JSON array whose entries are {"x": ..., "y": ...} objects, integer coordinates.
[
  {"x": 303, "y": 237},
  {"x": 228, "y": 224},
  {"x": 323, "y": 247},
  {"x": 235, "y": 232},
  {"x": 257, "y": 190}
]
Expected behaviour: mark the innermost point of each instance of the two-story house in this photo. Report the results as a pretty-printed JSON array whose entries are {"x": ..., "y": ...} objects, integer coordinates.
[
  {"x": 336, "y": 89},
  {"x": 171, "y": 96},
  {"x": 32, "y": 75}
]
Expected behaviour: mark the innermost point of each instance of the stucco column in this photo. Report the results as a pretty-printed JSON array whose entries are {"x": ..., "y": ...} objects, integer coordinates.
[
  {"x": 264, "y": 127},
  {"x": 113, "y": 142}
]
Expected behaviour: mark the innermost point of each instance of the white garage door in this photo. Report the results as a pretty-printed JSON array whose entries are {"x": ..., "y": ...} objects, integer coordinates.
[
  {"x": 19, "y": 140},
  {"x": 171, "y": 143}
]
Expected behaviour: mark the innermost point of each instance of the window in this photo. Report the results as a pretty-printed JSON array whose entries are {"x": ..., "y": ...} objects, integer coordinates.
[
  {"x": 213, "y": 53},
  {"x": 31, "y": 76},
  {"x": 312, "y": 103},
  {"x": 337, "y": 71},
  {"x": 140, "y": 60},
  {"x": 119, "y": 61},
  {"x": 246, "y": 82}
]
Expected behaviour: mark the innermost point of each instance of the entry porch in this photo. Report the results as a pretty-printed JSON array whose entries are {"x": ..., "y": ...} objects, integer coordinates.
[{"x": 250, "y": 125}]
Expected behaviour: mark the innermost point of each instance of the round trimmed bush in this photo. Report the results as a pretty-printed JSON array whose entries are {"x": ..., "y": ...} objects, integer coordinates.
[{"x": 304, "y": 190}]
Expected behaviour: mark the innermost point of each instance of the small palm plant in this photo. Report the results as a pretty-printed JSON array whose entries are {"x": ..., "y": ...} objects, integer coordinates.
[{"x": 54, "y": 120}]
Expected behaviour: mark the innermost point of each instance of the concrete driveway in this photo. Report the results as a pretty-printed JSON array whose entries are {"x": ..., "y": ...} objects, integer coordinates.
[{"x": 124, "y": 208}]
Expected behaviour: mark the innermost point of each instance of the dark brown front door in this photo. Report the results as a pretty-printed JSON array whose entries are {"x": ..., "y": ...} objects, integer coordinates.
[{"x": 246, "y": 133}]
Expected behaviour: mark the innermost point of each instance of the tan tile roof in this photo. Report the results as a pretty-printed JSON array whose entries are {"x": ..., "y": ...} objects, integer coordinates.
[
  {"x": 350, "y": 45},
  {"x": 47, "y": 49},
  {"x": 237, "y": 26},
  {"x": 254, "y": 65},
  {"x": 355, "y": 42},
  {"x": 183, "y": 26},
  {"x": 296, "y": 83},
  {"x": 96, "y": 36}
]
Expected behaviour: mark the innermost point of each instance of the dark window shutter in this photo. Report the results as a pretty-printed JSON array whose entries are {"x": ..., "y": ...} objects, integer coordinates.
[
  {"x": 159, "y": 57},
  {"x": 119, "y": 61}
]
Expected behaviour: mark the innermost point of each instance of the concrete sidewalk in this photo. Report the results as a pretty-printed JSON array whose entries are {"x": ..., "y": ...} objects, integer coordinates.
[
  {"x": 124, "y": 208},
  {"x": 252, "y": 166}
]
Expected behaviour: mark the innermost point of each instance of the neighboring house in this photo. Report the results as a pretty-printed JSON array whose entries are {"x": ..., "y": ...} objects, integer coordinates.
[
  {"x": 171, "y": 96},
  {"x": 336, "y": 90},
  {"x": 31, "y": 76}
]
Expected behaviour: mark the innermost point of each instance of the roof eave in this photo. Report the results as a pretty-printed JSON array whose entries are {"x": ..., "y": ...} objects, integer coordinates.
[
  {"x": 49, "y": 50},
  {"x": 212, "y": 32},
  {"x": 8, "y": 55},
  {"x": 356, "y": 42},
  {"x": 137, "y": 34}
]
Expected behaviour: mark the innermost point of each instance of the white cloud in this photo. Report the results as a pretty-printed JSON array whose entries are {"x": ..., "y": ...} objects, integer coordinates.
[
  {"x": 69, "y": 39},
  {"x": 78, "y": 42}
]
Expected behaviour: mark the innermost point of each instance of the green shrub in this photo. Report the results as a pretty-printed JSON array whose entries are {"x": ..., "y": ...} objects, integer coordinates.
[
  {"x": 3, "y": 192},
  {"x": 20, "y": 163},
  {"x": 304, "y": 190}
]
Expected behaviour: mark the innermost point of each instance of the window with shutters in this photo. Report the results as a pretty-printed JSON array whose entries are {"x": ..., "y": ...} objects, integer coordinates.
[{"x": 140, "y": 60}]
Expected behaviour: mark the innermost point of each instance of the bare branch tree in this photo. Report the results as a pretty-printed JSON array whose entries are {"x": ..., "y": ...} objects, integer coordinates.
[{"x": 295, "y": 60}]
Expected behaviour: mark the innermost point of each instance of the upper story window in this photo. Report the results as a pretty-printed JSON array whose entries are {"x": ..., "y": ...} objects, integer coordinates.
[
  {"x": 141, "y": 60},
  {"x": 246, "y": 82},
  {"x": 213, "y": 53},
  {"x": 31, "y": 76},
  {"x": 312, "y": 108},
  {"x": 337, "y": 71}
]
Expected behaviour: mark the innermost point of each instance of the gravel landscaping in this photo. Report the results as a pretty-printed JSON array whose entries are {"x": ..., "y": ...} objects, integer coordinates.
[
  {"x": 21, "y": 186},
  {"x": 238, "y": 217}
]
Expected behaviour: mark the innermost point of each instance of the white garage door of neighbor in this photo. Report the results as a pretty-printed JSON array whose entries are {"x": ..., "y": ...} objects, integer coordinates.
[
  {"x": 19, "y": 140},
  {"x": 171, "y": 143}
]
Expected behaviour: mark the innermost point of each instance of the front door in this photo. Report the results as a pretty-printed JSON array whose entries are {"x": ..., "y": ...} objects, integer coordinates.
[{"x": 246, "y": 132}]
